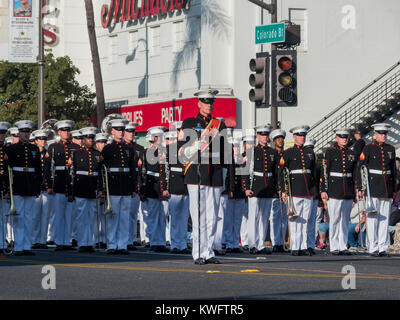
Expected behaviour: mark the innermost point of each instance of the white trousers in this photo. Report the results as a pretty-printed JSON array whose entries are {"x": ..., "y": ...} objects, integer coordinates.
[
  {"x": 144, "y": 235},
  {"x": 378, "y": 238},
  {"x": 62, "y": 219},
  {"x": 98, "y": 224},
  {"x": 179, "y": 215},
  {"x": 232, "y": 223},
  {"x": 219, "y": 232},
  {"x": 164, "y": 206},
  {"x": 298, "y": 226},
  {"x": 278, "y": 222},
  {"x": 244, "y": 231},
  {"x": 133, "y": 218},
  {"x": 5, "y": 206},
  {"x": 311, "y": 225},
  {"x": 50, "y": 228},
  {"x": 22, "y": 224},
  {"x": 154, "y": 216},
  {"x": 118, "y": 223},
  {"x": 259, "y": 211},
  {"x": 339, "y": 219},
  {"x": 40, "y": 221},
  {"x": 85, "y": 212},
  {"x": 204, "y": 219}
]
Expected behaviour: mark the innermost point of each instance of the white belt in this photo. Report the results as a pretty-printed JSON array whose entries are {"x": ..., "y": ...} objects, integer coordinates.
[
  {"x": 86, "y": 173},
  {"x": 261, "y": 174},
  {"x": 154, "y": 174},
  {"x": 207, "y": 154},
  {"x": 23, "y": 169},
  {"x": 379, "y": 171},
  {"x": 338, "y": 174},
  {"x": 176, "y": 169},
  {"x": 58, "y": 168},
  {"x": 119, "y": 170},
  {"x": 300, "y": 171}
]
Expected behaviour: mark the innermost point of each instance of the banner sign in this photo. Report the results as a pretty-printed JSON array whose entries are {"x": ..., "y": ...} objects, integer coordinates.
[
  {"x": 22, "y": 46},
  {"x": 164, "y": 113}
]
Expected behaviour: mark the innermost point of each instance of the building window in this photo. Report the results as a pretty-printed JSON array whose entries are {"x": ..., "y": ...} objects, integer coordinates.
[
  {"x": 154, "y": 41},
  {"x": 178, "y": 32},
  {"x": 300, "y": 17},
  {"x": 133, "y": 41},
  {"x": 112, "y": 49}
]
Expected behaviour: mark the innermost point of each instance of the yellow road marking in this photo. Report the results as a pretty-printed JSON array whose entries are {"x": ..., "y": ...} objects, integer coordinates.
[{"x": 277, "y": 274}]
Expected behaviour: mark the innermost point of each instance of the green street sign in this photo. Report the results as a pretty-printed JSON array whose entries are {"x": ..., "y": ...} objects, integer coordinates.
[{"x": 270, "y": 33}]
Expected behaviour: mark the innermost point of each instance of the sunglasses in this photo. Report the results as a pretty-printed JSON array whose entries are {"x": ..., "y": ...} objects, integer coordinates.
[
  {"x": 343, "y": 136},
  {"x": 382, "y": 132},
  {"x": 119, "y": 128},
  {"x": 300, "y": 134},
  {"x": 64, "y": 129}
]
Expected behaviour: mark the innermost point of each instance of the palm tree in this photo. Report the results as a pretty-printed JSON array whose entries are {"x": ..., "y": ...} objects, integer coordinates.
[{"x": 98, "y": 79}]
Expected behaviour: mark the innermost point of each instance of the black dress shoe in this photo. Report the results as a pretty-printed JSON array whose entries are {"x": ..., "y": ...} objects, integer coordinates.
[
  {"x": 246, "y": 248},
  {"x": 36, "y": 246},
  {"x": 174, "y": 250},
  {"x": 59, "y": 248},
  {"x": 185, "y": 251},
  {"x": 264, "y": 251},
  {"x": 305, "y": 252},
  {"x": 237, "y": 250},
  {"x": 374, "y": 254},
  {"x": 345, "y": 253},
  {"x": 111, "y": 251},
  {"x": 278, "y": 249},
  {"x": 213, "y": 260},
  {"x": 384, "y": 254},
  {"x": 69, "y": 248},
  {"x": 103, "y": 245},
  {"x": 90, "y": 249},
  {"x": 253, "y": 251},
  {"x": 311, "y": 251},
  {"x": 200, "y": 261},
  {"x": 335, "y": 252},
  {"x": 50, "y": 243},
  {"x": 43, "y": 246},
  {"x": 131, "y": 247},
  {"x": 295, "y": 253},
  {"x": 74, "y": 243},
  {"x": 219, "y": 252}
]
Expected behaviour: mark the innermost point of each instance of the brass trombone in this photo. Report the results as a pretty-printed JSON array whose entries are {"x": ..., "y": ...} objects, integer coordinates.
[
  {"x": 291, "y": 212},
  {"x": 12, "y": 212}
]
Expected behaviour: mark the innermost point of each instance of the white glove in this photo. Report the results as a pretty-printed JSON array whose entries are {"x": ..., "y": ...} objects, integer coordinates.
[{"x": 191, "y": 151}]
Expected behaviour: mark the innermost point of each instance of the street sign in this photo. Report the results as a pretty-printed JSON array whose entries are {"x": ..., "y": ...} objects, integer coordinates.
[{"x": 271, "y": 33}]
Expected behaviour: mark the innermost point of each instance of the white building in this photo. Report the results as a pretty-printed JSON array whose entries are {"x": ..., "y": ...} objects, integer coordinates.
[{"x": 345, "y": 45}]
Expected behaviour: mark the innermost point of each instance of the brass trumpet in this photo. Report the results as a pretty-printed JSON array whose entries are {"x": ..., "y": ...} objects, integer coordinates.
[{"x": 291, "y": 212}]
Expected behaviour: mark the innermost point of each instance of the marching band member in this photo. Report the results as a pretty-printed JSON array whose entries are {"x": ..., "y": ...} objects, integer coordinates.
[
  {"x": 40, "y": 221},
  {"x": 312, "y": 221},
  {"x": 129, "y": 136},
  {"x": 300, "y": 162},
  {"x": 379, "y": 158},
  {"x": 204, "y": 188},
  {"x": 24, "y": 160},
  {"x": 338, "y": 187},
  {"x": 261, "y": 184},
  {"x": 119, "y": 160},
  {"x": 86, "y": 186},
  {"x": 154, "y": 190},
  {"x": 4, "y": 184},
  {"x": 57, "y": 175},
  {"x": 279, "y": 215}
]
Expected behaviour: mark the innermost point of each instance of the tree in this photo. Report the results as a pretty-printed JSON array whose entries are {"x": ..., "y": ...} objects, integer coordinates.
[{"x": 65, "y": 98}]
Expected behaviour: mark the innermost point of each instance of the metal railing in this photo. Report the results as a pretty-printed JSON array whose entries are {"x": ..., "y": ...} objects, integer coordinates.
[{"x": 386, "y": 85}]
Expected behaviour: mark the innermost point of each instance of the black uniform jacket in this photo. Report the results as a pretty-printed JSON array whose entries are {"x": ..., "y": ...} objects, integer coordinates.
[
  {"x": 4, "y": 180},
  {"x": 339, "y": 161},
  {"x": 237, "y": 185},
  {"x": 86, "y": 169},
  {"x": 174, "y": 173},
  {"x": 211, "y": 172},
  {"x": 154, "y": 177},
  {"x": 304, "y": 178},
  {"x": 60, "y": 153},
  {"x": 43, "y": 161},
  {"x": 121, "y": 163},
  {"x": 24, "y": 159},
  {"x": 383, "y": 159},
  {"x": 264, "y": 173},
  {"x": 138, "y": 152}
]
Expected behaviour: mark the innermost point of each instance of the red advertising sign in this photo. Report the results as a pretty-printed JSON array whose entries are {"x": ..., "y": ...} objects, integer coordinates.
[{"x": 164, "y": 113}]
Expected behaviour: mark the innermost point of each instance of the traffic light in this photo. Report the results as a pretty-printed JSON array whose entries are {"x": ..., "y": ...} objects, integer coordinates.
[
  {"x": 260, "y": 80},
  {"x": 284, "y": 78}
]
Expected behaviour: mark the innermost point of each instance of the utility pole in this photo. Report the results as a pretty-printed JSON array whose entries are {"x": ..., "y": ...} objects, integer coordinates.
[
  {"x": 41, "y": 64},
  {"x": 98, "y": 78},
  {"x": 273, "y": 11}
]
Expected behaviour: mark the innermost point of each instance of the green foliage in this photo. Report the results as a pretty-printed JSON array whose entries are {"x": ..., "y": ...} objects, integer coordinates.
[{"x": 64, "y": 97}]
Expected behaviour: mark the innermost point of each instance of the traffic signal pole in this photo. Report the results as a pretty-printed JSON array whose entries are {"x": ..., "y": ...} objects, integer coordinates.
[
  {"x": 41, "y": 63},
  {"x": 273, "y": 10}
]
